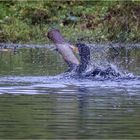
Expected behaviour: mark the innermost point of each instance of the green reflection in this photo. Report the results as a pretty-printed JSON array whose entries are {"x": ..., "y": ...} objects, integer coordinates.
[
  {"x": 67, "y": 116},
  {"x": 31, "y": 62}
]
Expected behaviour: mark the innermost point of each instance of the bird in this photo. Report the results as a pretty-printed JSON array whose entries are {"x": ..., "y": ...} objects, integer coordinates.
[{"x": 76, "y": 66}]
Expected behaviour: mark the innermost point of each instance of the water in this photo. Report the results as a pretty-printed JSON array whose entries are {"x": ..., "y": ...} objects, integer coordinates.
[{"x": 38, "y": 102}]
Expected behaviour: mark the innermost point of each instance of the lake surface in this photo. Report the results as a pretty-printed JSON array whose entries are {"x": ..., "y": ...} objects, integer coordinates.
[{"x": 37, "y": 101}]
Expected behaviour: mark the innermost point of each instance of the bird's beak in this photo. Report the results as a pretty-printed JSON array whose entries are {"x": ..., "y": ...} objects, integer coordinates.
[{"x": 74, "y": 49}]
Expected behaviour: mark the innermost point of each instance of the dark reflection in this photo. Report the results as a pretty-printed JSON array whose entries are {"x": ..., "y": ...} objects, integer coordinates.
[{"x": 82, "y": 101}]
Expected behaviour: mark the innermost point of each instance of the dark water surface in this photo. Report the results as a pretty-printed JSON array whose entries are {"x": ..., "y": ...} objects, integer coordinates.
[{"x": 36, "y": 104}]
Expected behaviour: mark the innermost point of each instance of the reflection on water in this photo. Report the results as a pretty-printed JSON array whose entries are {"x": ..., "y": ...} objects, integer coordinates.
[
  {"x": 56, "y": 107},
  {"x": 70, "y": 111}
]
